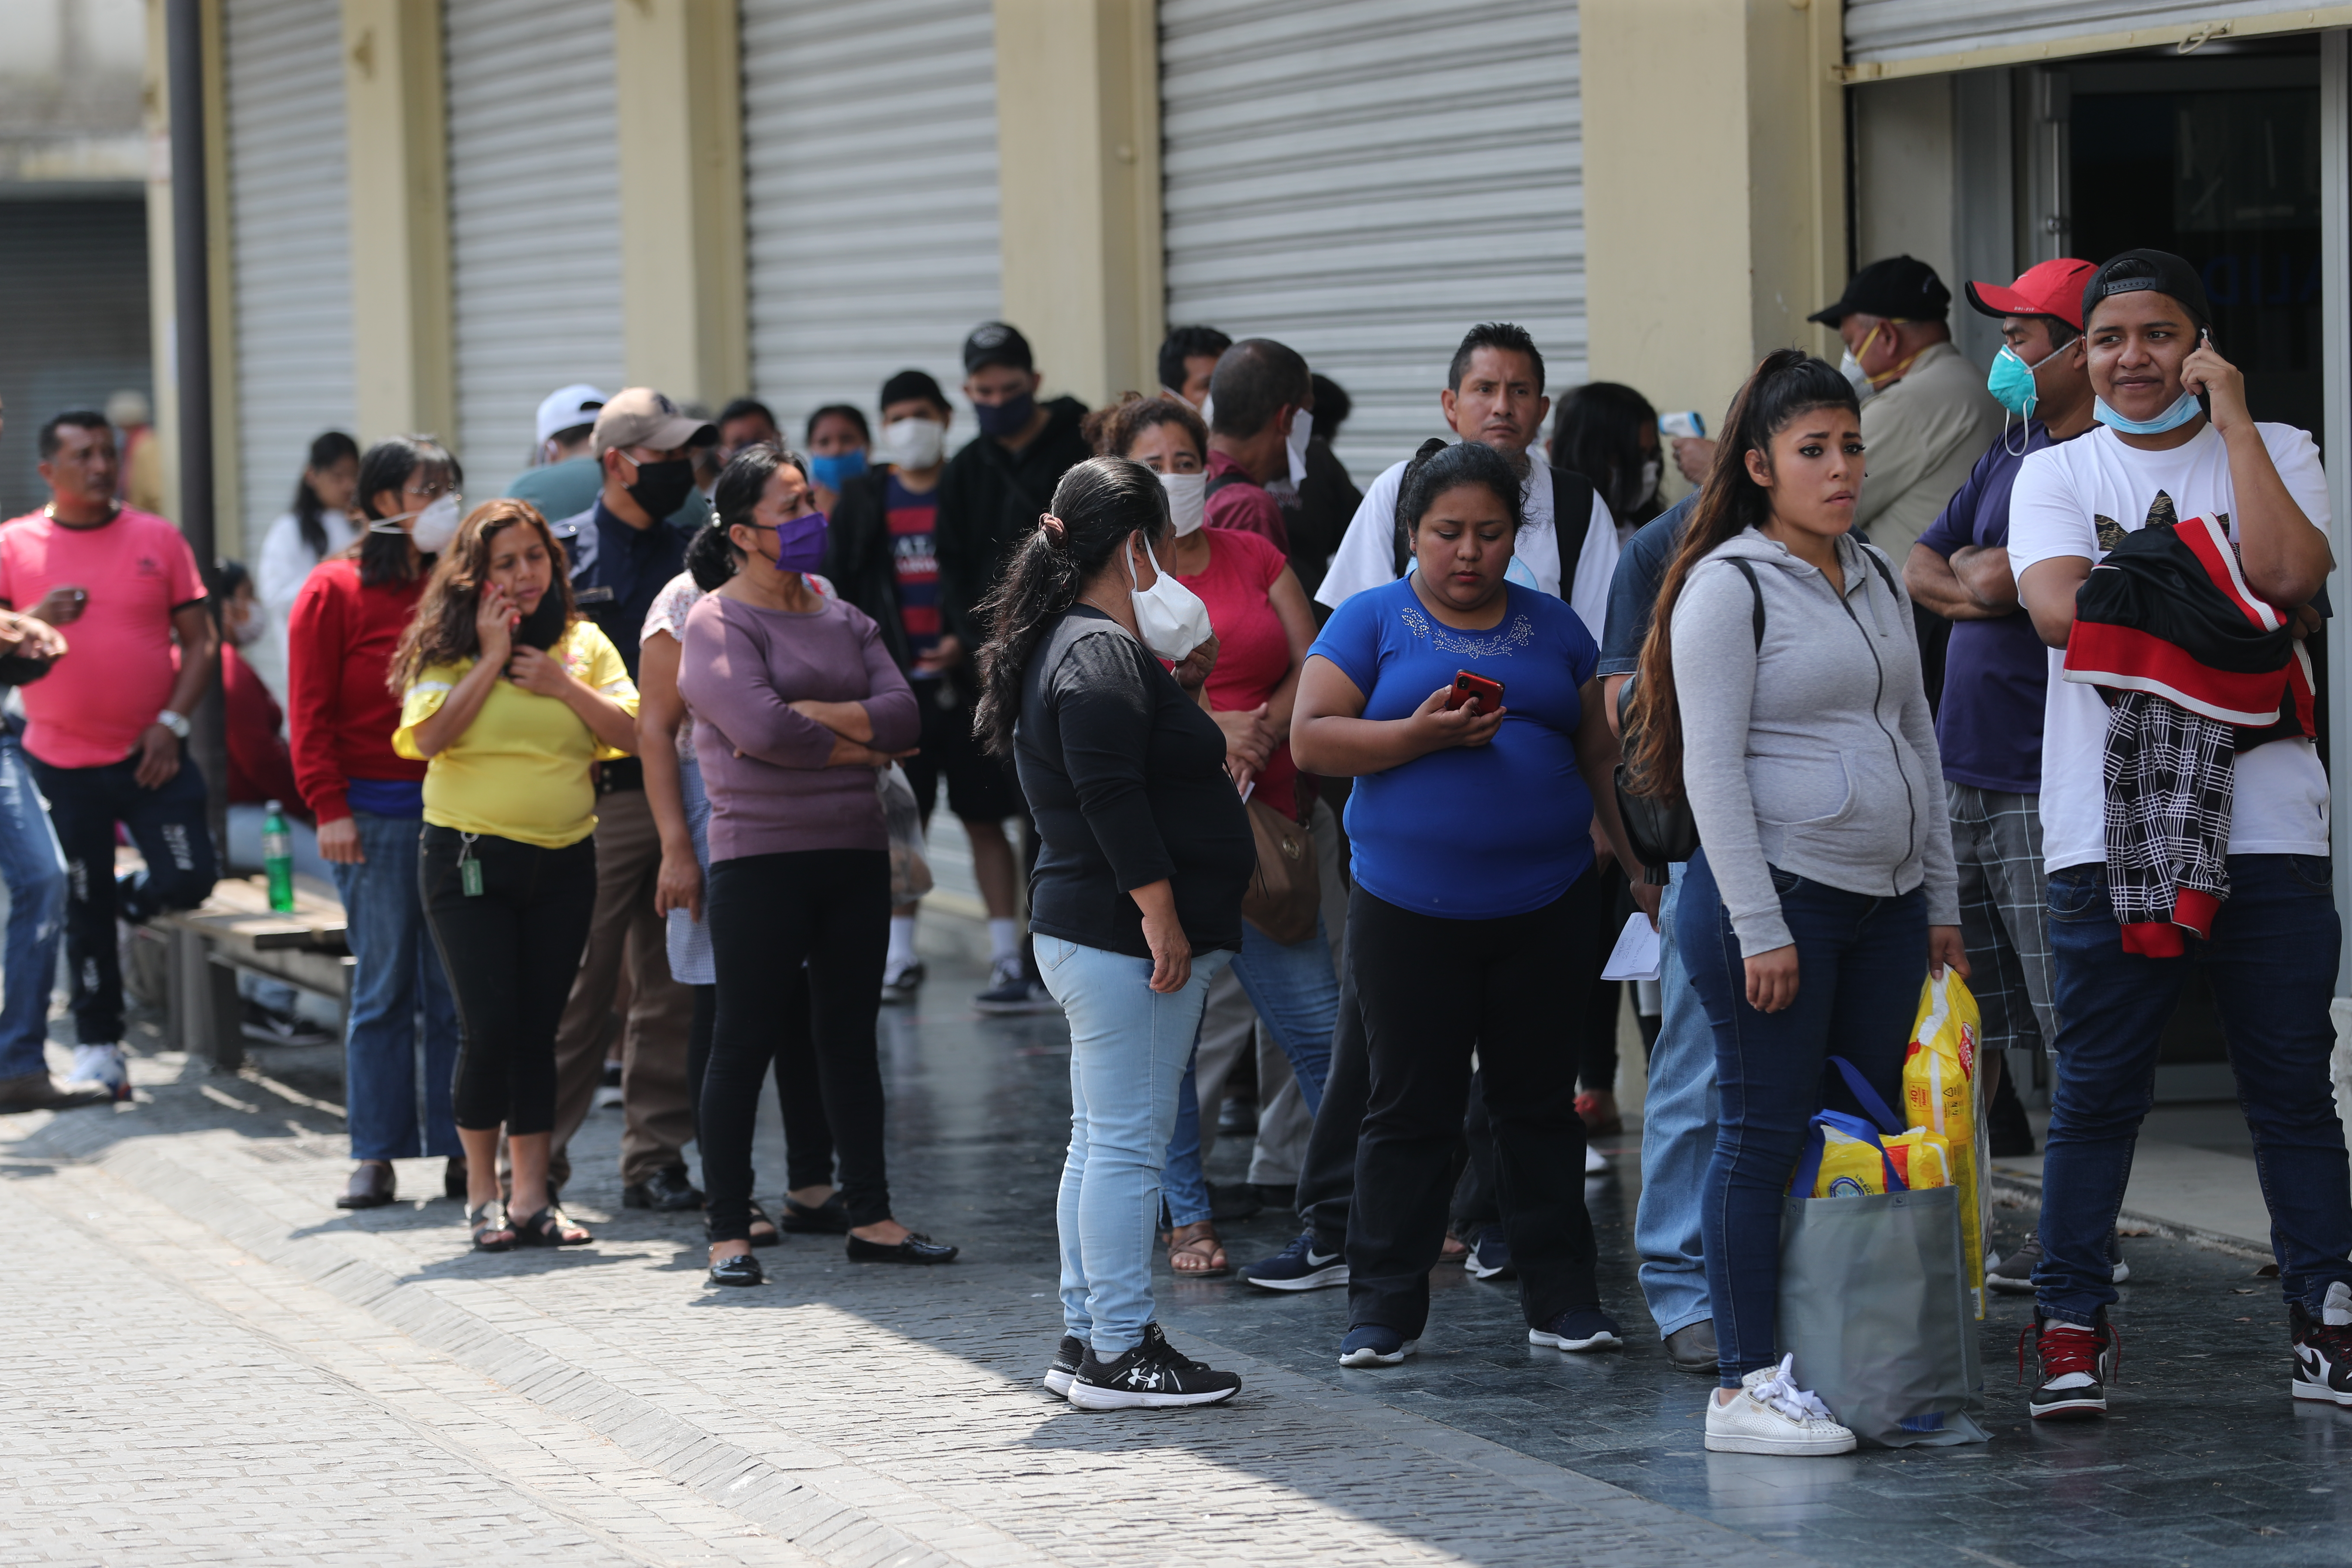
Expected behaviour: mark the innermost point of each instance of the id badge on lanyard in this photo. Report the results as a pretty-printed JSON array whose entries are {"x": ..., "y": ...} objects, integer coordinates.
[{"x": 469, "y": 870}]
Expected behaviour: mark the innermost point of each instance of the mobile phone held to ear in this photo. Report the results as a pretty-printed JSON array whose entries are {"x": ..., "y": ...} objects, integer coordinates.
[{"x": 1469, "y": 687}]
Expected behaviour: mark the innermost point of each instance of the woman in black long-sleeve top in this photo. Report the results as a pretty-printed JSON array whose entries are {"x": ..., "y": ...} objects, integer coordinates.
[{"x": 1136, "y": 899}]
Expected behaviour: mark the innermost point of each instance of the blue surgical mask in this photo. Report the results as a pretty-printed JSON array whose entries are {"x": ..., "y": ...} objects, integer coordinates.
[
  {"x": 2172, "y": 418},
  {"x": 2011, "y": 382},
  {"x": 836, "y": 470}
]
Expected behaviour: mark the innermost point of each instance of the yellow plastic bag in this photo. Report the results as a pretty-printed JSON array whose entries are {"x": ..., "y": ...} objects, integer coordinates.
[
  {"x": 1849, "y": 1168},
  {"x": 1940, "y": 1095},
  {"x": 1921, "y": 1158}
]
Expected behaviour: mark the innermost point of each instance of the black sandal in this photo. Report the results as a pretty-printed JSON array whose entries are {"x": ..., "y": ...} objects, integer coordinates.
[
  {"x": 548, "y": 1228},
  {"x": 490, "y": 1220},
  {"x": 830, "y": 1218},
  {"x": 774, "y": 1237}
]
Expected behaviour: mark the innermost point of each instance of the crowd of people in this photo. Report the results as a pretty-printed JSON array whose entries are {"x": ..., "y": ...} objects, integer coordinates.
[{"x": 594, "y": 768}]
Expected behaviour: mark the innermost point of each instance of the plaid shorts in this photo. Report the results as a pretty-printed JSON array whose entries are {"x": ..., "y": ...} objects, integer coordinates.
[{"x": 1997, "y": 848}]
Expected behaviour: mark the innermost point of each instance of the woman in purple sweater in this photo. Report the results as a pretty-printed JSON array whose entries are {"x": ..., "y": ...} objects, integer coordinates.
[{"x": 797, "y": 701}]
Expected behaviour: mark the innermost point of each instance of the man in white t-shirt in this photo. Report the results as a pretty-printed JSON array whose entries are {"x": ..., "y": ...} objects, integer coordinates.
[
  {"x": 1493, "y": 393},
  {"x": 2272, "y": 954}
]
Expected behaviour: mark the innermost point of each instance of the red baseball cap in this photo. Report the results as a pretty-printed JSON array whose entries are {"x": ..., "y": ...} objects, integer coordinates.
[{"x": 2046, "y": 288}]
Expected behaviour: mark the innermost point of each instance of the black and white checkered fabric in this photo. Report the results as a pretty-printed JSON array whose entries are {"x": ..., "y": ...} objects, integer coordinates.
[{"x": 2170, "y": 776}]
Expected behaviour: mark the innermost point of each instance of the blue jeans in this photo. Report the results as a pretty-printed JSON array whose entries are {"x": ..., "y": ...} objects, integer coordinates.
[
  {"x": 1296, "y": 991},
  {"x": 2271, "y": 962},
  {"x": 1129, "y": 1045},
  {"x": 167, "y": 824},
  {"x": 398, "y": 974},
  {"x": 1678, "y": 1131},
  {"x": 34, "y": 868},
  {"x": 1859, "y": 963}
]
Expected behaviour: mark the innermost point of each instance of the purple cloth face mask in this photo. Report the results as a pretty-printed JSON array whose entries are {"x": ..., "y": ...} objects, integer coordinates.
[{"x": 800, "y": 543}]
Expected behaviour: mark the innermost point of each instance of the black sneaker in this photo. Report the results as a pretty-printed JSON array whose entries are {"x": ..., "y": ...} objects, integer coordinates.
[
  {"x": 2078, "y": 1364},
  {"x": 1578, "y": 1329},
  {"x": 2014, "y": 1274},
  {"x": 1298, "y": 1267},
  {"x": 1068, "y": 1356},
  {"x": 1153, "y": 1375},
  {"x": 1491, "y": 1258},
  {"x": 2322, "y": 1347}
]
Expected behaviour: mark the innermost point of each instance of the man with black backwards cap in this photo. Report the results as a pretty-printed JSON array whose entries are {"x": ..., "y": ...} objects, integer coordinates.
[
  {"x": 882, "y": 555},
  {"x": 2178, "y": 444},
  {"x": 1925, "y": 415},
  {"x": 1989, "y": 725},
  {"x": 992, "y": 493},
  {"x": 623, "y": 552}
]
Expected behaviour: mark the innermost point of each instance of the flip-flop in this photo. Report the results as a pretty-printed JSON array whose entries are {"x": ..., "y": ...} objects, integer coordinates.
[{"x": 1186, "y": 1241}]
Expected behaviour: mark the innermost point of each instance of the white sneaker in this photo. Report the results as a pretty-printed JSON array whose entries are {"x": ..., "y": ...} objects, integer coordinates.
[
  {"x": 1596, "y": 1164},
  {"x": 1770, "y": 1415},
  {"x": 102, "y": 1066}
]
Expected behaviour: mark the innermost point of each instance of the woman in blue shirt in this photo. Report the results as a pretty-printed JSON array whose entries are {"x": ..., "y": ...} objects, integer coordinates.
[{"x": 1469, "y": 829}]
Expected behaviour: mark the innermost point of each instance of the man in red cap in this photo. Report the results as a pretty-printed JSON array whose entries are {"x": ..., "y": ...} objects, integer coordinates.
[{"x": 1989, "y": 726}]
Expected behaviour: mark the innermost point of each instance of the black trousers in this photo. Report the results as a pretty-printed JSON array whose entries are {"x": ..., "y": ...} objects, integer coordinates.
[
  {"x": 511, "y": 952},
  {"x": 808, "y": 1136},
  {"x": 1433, "y": 991},
  {"x": 768, "y": 914}
]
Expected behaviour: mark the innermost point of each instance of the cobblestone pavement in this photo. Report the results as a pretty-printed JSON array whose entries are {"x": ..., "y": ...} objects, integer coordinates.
[{"x": 216, "y": 1365}]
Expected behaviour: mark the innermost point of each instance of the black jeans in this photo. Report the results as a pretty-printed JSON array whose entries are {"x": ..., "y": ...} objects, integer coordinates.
[
  {"x": 1432, "y": 990},
  {"x": 768, "y": 914},
  {"x": 511, "y": 952},
  {"x": 808, "y": 1136},
  {"x": 167, "y": 824}
]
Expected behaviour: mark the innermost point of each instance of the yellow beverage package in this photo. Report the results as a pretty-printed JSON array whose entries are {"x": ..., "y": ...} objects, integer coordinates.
[
  {"x": 1849, "y": 1168},
  {"x": 1940, "y": 1095},
  {"x": 1921, "y": 1158}
]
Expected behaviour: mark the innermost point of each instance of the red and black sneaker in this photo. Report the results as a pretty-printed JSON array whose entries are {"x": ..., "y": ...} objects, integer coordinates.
[
  {"x": 2322, "y": 1347},
  {"x": 2078, "y": 1364}
]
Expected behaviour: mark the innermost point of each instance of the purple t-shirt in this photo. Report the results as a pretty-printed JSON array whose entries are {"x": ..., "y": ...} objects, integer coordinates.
[
  {"x": 763, "y": 766},
  {"x": 1996, "y": 672}
]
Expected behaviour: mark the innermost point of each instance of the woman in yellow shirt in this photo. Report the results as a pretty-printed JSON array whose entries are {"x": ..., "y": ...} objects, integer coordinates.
[{"x": 512, "y": 699}]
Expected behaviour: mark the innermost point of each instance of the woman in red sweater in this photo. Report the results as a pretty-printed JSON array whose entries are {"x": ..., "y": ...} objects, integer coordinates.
[{"x": 370, "y": 804}]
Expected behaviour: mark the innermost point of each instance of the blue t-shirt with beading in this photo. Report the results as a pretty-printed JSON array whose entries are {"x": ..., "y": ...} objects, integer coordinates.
[{"x": 1474, "y": 832}]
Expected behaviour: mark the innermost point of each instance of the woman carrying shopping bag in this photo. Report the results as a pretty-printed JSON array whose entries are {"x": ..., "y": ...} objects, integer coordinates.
[{"x": 1779, "y": 691}]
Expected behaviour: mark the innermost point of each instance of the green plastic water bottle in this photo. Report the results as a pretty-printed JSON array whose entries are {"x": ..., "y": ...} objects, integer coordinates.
[{"x": 277, "y": 857}]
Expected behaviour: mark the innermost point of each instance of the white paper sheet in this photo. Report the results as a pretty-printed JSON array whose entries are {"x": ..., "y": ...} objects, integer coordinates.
[{"x": 1635, "y": 956}]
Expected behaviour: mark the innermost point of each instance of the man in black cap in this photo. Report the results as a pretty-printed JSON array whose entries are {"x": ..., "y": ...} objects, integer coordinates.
[
  {"x": 1926, "y": 415},
  {"x": 992, "y": 493}
]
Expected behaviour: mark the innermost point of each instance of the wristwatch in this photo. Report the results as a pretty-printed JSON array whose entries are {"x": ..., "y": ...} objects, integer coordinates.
[{"x": 176, "y": 723}]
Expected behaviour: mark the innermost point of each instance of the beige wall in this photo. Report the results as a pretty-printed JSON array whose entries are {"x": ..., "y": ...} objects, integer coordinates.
[
  {"x": 402, "y": 378},
  {"x": 1710, "y": 230},
  {"x": 1078, "y": 137},
  {"x": 1903, "y": 174}
]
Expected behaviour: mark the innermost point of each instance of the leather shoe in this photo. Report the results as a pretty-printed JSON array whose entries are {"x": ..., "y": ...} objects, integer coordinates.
[
  {"x": 666, "y": 1190},
  {"x": 39, "y": 1091},
  {"x": 370, "y": 1187},
  {"x": 916, "y": 1248},
  {"x": 1692, "y": 1347}
]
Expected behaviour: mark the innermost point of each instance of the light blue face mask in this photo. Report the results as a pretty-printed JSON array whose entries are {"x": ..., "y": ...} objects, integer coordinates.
[
  {"x": 2011, "y": 382},
  {"x": 2172, "y": 418}
]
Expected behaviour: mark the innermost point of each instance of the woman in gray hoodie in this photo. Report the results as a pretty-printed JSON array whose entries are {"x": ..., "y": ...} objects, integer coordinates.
[{"x": 1780, "y": 687}]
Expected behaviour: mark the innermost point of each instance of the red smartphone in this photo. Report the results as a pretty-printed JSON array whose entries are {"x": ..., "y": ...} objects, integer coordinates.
[{"x": 1468, "y": 687}]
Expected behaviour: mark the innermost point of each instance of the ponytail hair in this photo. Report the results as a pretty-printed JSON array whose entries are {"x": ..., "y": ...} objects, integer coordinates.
[
  {"x": 1443, "y": 465},
  {"x": 309, "y": 512},
  {"x": 711, "y": 555},
  {"x": 1787, "y": 383},
  {"x": 1097, "y": 505}
]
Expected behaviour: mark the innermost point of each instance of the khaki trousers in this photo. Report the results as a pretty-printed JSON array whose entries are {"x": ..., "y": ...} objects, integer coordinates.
[{"x": 658, "y": 1115}]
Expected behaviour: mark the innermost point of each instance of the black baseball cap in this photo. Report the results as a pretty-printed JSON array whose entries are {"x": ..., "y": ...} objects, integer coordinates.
[
  {"x": 2157, "y": 271},
  {"x": 1900, "y": 287},
  {"x": 915, "y": 386},
  {"x": 995, "y": 342}
]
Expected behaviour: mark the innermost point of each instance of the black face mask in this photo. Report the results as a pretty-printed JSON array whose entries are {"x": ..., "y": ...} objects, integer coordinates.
[
  {"x": 661, "y": 487},
  {"x": 544, "y": 625},
  {"x": 1005, "y": 418}
]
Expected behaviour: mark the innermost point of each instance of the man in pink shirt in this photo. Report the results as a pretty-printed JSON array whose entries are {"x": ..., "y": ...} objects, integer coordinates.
[
  {"x": 108, "y": 727},
  {"x": 1260, "y": 398}
]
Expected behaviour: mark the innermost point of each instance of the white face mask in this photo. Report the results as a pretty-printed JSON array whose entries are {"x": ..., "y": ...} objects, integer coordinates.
[
  {"x": 1188, "y": 500},
  {"x": 1168, "y": 617},
  {"x": 435, "y": 527},
  {"x": 1851, "y": 368},
  {"x": 1651, "y": 471},
  {"x": 913, "y": 443},
  {"x": 1302, "y": 426}
]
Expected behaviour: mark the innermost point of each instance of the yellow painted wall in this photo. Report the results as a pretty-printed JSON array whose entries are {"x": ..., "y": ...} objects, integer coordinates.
[{"x": 397, "y": 129}]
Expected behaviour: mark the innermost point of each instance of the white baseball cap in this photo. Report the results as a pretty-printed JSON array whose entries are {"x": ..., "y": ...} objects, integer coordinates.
[{"x": 568, "y": 408}]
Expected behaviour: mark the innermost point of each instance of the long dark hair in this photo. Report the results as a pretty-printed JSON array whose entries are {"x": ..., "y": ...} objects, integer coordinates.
[
  {"x": 711, "y": 555},
  {"x": 1097, "y": 505},
  {"x": 442, "y": 631},
  {"x": 388, "y": 466},
  {"x": 309, "y": 512},
  {"x": 1789, "y": 381},
  {"x": 1441, "y": 465},
  {"x": 1597, "y": 432}
]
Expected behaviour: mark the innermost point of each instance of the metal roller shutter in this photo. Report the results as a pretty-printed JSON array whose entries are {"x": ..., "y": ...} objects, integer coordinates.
[
  {"x": 1902, "y": 29},
  {"x": 1364, "y": 181},
  {"x": 290, "y": 242},
  {"x": 870, "y": 162},
  {"x": 534, "y": 219},
  {"x": 74, "y": 272}
]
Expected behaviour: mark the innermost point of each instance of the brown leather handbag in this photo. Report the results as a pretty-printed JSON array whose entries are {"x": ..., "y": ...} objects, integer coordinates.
[{"x": 1286, "y": 890}]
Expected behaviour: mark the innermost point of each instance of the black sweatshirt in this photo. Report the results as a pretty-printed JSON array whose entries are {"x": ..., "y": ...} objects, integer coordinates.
[
  {"x": 991, "y": 498},
  {"x": 1126, "y": 776}
]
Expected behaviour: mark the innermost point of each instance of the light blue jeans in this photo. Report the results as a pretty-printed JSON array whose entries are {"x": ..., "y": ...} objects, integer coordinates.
[
  {"x": 397, "y": 976},
  {"x": 1678, "y": 1118},
  {"x": 1296, "y": 991},
  {"x": 1129, "y": 1047},
  {"x": 34, "y": 868}
]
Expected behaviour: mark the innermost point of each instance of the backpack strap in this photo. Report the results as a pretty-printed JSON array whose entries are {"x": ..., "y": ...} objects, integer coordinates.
[
  {"x": 1756, "y": 590},
  {"x": 1571, "y": 521},
  {"x": 1884, "y": 575}
]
